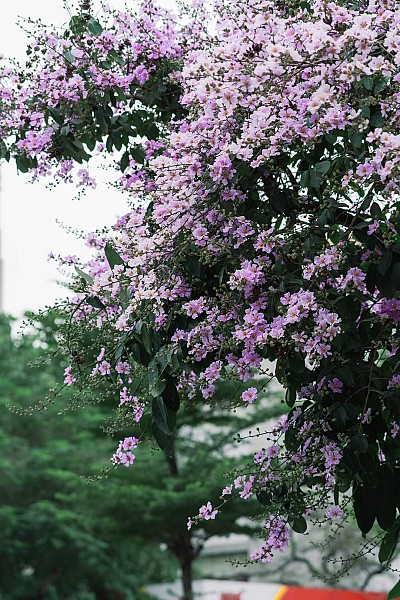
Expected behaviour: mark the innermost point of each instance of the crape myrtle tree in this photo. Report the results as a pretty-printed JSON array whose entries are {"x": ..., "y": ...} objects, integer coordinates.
[{"x": 257, "y": 144}]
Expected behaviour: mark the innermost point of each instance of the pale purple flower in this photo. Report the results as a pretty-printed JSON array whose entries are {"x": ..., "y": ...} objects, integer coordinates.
[
  {"x": 249, "y": 395},
  {"x": 334, "y": 513},
  {"x": 335, "y": 385},
  {"x": 207, "y": 512}
]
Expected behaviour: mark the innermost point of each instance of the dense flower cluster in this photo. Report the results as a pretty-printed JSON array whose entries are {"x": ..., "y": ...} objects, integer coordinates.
[
  {"x": 67, "y": 80},
  {"x": 265, "y": 227}
]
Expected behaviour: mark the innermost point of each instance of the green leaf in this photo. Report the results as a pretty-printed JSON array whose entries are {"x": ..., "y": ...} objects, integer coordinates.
[
  {"x": 121, "y": 97},
  {"x": 101, "y": 119},
  {"x": 370, "y": 280},
  {"x": 366, "y": 203},
  {"x": 386, "y": 499},
  {"x": 106, "y": 64},
  {"x": 163, "y": 358},
  {"x": 109, "y": 143},
  {"x": 317, "y": 173},
  {"x": 95, "y": 302},
  {"x": 395, "y": 279},
  {"x": 112, "y": 256},
  {"x": 171, "y": 419},
  {"x": 365, "y": 111},
  {"x": 304, "y": 179},
  {"x": 315, "y": 178},
  {"x": 394, "y": 592},
  {"x": 164, "y": 441},
  {"x": 379, "y": 85},
  {"x": 117, "y": 139},
  {"x": 385, "y": 262},
  {"x": 135, "y": 119},
  {"x": 292, "y": 441},
  {"x": 323, "y": 167},
  {"x": 89, "y": 140},
  {"x": 340, "y": 415},
  {"x": 264, "y": 498},
  {"x": 125, "y": 297},
  {"x": 146, "y": 339},
  {"x": 336, "y": 494},
  {"x": 296, "y": 363},
  {"x": 389, "y": 543},
  {"x": 331, "y": 137},
  {"x": 368, "y": 83},
  {"x": 359, "y": 442},
  {"x": 94, "y": 26},
  {"x": 113, "y": 55},
  {"x": 152, "y": 131},
  {"x": 376, "y": 212},
  {"x": 171, "y": 395},
  {"x": 356, "y": 138},
  {"x": 290, "y": 396},
  {"x": 77, "y": 24},
  {"x": 3, "y": 149},
  {"x": 87, "y": 278},
  {"x": 327, "y": 217},
  {"x": 124, "y": 162},
  {"x": 299, "y": 525},
  {"x": 377, "y": 120},
  {"x": 160, "y": 415},
  {"x": 364, "y": 507},
  {"x": 345, "y": 375},
  {"x": 24, "y": 163},
  {"x": 137, "y": 154},
  {"x": 383, "y": 284},
  {"x": 157, "y": 383},
  {"x": 70, "y": 58},
  {"x": 121, "y": 346},
  {"x": 350, "y": 460}
]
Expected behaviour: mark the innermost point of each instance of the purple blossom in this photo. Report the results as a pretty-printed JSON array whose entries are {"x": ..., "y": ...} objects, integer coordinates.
[
  {"x": 334, "y": 513},
  {"x": 389, "y": 308},
  {"x": 207, "y": 512},
  {"x": 249, "y": 395},
  {"x": 335, "y": 385},
  {"x": 69, "y": 378}
]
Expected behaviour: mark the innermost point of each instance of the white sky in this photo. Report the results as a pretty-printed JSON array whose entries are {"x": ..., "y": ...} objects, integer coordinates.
[{"x": 28, "y": 212}]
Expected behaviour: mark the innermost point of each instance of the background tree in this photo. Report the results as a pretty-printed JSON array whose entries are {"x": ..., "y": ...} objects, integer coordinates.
[
  {"x": 51, "y": 548},
  {"x": 65, "y": 537}
]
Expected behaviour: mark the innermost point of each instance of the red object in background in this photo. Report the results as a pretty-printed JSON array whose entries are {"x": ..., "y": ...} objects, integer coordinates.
[
  {"x": 231, "y": 596},
  {"x": 298, "y": 593}
]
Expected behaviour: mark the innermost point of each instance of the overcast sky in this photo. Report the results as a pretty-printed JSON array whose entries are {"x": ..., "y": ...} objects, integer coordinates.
[{"x": 28, "y": 212}]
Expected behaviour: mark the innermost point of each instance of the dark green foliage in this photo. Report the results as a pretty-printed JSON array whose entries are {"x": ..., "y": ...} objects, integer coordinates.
[{"x": 57, "y": 542}]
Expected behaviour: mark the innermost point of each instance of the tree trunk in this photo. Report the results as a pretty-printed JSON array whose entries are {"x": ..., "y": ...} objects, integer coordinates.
[
  {"x": 183, "y": 549},
  {"x": 186, "y": 568},
  {"x": 182, "y": 546},
  {"x": 42, "y": 592}
]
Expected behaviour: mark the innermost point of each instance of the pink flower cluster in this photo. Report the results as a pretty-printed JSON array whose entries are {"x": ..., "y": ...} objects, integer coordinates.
[
  {"x": 124, "y": 455},
  {"x": 277, "y": 540},
  {"x": 389, "y": 308},
  {"x": 69, "y": 378}
]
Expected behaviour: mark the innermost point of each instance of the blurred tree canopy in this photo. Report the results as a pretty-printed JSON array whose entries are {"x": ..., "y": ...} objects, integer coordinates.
[
  {"x": 52, "y": 548},
  {"x": 66, "y": 538}
]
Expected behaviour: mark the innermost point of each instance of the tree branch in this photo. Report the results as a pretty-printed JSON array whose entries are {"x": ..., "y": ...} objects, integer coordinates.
[
  {"x": 370, "y": 575},
  {"x": 86, "y": 8}
]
